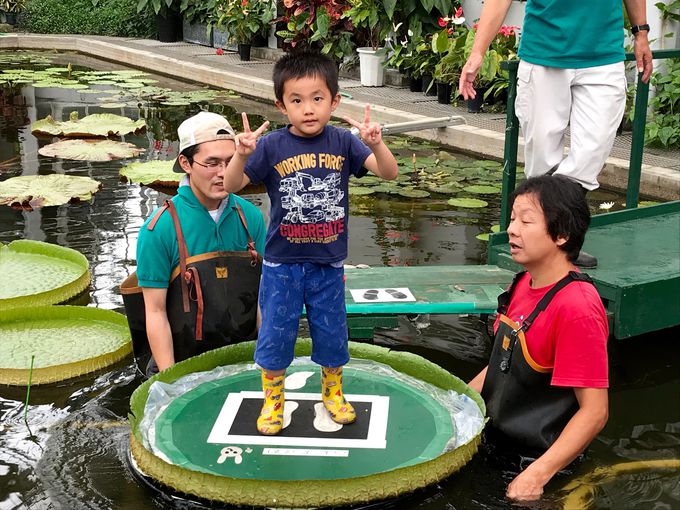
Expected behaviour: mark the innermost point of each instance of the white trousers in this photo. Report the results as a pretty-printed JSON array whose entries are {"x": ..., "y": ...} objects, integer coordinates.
[{"x": 591, "y": 100}]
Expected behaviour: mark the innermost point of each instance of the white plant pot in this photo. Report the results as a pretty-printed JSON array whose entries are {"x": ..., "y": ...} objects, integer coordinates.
[{"x": 371, "y": 67}]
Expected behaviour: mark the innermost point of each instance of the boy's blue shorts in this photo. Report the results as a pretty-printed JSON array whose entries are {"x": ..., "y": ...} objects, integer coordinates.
[{"x": 284, "y": 288}]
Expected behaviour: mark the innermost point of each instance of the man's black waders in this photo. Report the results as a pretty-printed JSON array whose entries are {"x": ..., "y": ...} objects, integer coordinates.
[
  {"x": 211, "y": 300},
  {"x": 525, "y": 410}
]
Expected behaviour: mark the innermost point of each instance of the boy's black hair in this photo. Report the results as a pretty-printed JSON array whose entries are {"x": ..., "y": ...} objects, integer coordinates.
[
  {"x": 301, "y": 64},
  {"x": 564, "y": 207}
]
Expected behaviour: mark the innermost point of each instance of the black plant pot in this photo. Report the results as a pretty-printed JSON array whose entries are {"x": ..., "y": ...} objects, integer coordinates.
[
  {"x": 429, "y": 88},
  {"x": 475, "y": 105},
  {"x": 244, "y": 52},
  {"x": 259, "y": 41},
  {"x": 415, "y": 84},
  {"x": 444, "y": 91},
  {"x": 169, "y": 26},
  {"x": 11, "y": 18}
]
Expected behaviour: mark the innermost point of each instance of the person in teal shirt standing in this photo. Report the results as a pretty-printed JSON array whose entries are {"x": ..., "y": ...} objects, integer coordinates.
[
  {"x": 199, "y": 255},
  {"x": 571, "y": 73}
]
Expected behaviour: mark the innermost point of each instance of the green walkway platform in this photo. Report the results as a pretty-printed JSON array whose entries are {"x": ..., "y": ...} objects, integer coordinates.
[
  {"x": 638, "y": 276},
  {"x": 436, "y": 289}
]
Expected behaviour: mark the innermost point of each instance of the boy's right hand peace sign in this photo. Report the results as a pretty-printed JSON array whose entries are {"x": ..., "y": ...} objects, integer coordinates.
[{"x": 246, "y": 141}]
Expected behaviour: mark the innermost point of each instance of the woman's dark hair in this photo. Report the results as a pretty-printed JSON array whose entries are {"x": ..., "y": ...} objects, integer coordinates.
[
  {"x": 564, "y": 207},
  {"x": 301, "y": 64}
]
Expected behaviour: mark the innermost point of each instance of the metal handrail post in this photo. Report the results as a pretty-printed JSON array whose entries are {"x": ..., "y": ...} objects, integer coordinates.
[
  {"x": 638, "y": 144},
  {"x": 510, "y": 148}
]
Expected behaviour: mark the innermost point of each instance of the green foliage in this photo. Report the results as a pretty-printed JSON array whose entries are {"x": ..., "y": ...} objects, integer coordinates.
[
  {"x": 663, "y": 125},
  {"x": 110, "y": 17},
  {"x": 670, "y": 11},
  {"x": 244, "y": 19},
  {"x": 156, "y": 6},
  {"x": 199, "y": 11},
  {"x": 372, "y": 19},
  {"x": 12, "y": 5}
]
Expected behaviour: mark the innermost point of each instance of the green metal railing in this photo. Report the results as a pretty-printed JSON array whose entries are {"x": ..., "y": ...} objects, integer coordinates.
[{"x": 636, "y": 150}]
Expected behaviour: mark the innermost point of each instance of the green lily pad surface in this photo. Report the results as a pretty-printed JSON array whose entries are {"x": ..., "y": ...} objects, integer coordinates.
[
  {"x": 65, "y": 341},
  {"x": 482, "y": 190},
  {"x": 359, "y": 191},
  {"x": 157, "y": 173},
  {"x": 37, "y": 273},
  {"x": 31, "y": 191},
  {"x": 98, "y": 125},
  {"x": 90, "y": 150},
  {"x": 472, "y": 203}
]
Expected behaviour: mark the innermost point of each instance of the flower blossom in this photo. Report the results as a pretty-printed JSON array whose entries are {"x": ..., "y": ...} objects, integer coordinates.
[
  {"x": 459, "y": 12},
  {"x": 219, "y": 51},
  {"x": 443, "y": 22}
]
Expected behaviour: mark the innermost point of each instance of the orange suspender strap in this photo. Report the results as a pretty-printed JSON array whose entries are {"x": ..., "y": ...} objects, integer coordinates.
[
  {"x": 193, "y": 274},
  {"x": 183, "y": 256},
  {"x": 157, "y": 216},
  {"x": 251, "y": 243}
]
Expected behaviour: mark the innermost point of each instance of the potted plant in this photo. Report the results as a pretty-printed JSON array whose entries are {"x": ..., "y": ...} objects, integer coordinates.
[
  {"x": 11, "y": 9},
  {"x": 317, "y": 24},
  {"x": 449, "y": 42},
  {"x": 168, "y": 19},
  {"x": 373, "y": 23},
  {"x": 198, "y": 17},
  {"x": 244, "y": 19}
]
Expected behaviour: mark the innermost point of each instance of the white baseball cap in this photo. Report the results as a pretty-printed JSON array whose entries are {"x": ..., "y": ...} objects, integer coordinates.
[{"x": 202, "y": 127}]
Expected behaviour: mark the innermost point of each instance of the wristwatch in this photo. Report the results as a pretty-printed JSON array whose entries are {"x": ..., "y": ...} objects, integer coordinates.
[{"x": 636, "y": 28}]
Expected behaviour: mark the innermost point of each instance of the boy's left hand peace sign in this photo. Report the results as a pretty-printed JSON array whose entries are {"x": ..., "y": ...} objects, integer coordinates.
[
  {"x": 370, "y": 132},
  {"x": 246, "y": 141}
]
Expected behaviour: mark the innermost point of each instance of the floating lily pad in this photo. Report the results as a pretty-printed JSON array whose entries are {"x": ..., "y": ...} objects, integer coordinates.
[
  {"x": 358, "y": 191},
  {"x": 33, "y": 191},
  {"x": 483, "y": 237},
  {"x": 647, "y": 203},
  {"x": 472, "y": 203},
  {"x": 450, "y": 189},
  {"x": 482, "y": 190},
  {"x": 149, "y": 173},
  {"x": 66, "y": 342},
  {"x": 38, "y": 273},
  {"x": 495, "y": 229},
  {"x": 90, "y": 150},
  {"x": 413, "y": 193},
  {"x": 113, "y": 106},
  {"x": 98, "y": 124}
]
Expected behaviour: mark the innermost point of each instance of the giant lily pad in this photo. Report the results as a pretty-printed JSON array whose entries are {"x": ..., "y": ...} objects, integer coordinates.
[
  {"x": 90, "y": 150},
  {"x": 67, "y": 341},
  {"x": 45, "y": 190},
  {"x": 149, "y": 173},
  {"x": 98, "y": 124},
  {"x": 37, "y": 273},
  {"x": 467, "y": 202},
  {"x": 358, "y": 191},
  {"x": 482, "y": 189}
]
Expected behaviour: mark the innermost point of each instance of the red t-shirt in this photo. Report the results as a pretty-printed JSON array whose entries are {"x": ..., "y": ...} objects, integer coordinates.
[{"x": 569, "y": 336}]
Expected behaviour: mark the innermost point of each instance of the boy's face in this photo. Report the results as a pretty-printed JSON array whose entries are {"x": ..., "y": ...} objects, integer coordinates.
[
  {"x": 530, "y": 243},
  {"x": 308, "y": 104}
]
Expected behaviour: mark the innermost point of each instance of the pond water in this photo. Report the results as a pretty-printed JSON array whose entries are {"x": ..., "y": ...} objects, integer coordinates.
[{"x": 72, "y": 449}]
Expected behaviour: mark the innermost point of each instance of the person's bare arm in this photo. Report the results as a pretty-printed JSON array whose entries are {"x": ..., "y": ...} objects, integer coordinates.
[
  {"x": 234, "y": 177},
  {"x": 478, "y": 381},
  {"x": 586, "y": 423},
  {"x": 637, "y": 13},
  {"x": 491, "y": 19},
  {"x": 157, "y": 327}
]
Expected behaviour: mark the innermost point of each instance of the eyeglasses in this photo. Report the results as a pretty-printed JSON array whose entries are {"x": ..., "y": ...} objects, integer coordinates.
[{"x": 213, "y": 165}]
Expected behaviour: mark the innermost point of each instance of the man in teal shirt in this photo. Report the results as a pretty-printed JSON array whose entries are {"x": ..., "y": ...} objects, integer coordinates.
[
  {"x": 571, "y": 73},
  {"x": 218, "y": 230}
]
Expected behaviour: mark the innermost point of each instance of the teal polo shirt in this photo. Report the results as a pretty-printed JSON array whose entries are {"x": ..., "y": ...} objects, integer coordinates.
[
  {"x": 157, "y": 252},
  {"x": 572, "y": 34}
]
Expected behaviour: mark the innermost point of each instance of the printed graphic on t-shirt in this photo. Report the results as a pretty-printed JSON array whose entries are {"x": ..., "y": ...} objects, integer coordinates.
[{"x": 313, "y": 207}]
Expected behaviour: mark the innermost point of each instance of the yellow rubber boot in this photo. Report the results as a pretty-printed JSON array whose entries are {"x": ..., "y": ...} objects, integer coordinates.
[
  {"x": 331, "y": 392},
  {"x": 271, "y": 416}
]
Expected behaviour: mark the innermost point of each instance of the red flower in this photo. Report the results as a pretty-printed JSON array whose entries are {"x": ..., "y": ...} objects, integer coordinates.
[
  {"x": 459, "y": 12},
  {"x": 244, "y": 3},
  {"x": 219, "y": 51},
  {"x": 442, "y": 22}
]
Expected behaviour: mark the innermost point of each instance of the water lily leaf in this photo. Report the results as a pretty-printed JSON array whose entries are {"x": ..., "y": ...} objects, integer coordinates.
[
  {"x": 176, "y": 103},
  {"x": 90, "y": 150},
  {"x": 98, "y": 124},
  {"x": 495, "y": 229},
  {"x": 485, "y": 163},
  {"x": 359, "y": 191},
  {"x": 366, "y": 180},
  {"x": 158, "y": 173},
  {"x": 482, "y": 190},
  {"x": 647, "y": 203},
  {"x": 44, "y": 190},
  {"x": 450, "y": 189},
  {"x": 113, "y": 106},
  {"x": 483, "y": 237},
  {"x": 413, "y": 193},
  {"x": 472, "y": 203}
]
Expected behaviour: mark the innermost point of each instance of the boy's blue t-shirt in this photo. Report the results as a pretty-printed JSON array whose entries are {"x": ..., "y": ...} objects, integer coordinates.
[{"x": 307, "y": 181}]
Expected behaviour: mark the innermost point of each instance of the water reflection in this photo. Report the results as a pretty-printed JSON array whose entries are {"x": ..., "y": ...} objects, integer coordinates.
[{"x": 75, "y": 454}]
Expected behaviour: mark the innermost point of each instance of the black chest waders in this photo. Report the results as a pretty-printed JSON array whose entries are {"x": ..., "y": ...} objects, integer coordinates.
[
  {"x": 526, "y": 412},
  {"x": 211, "y": 300}
]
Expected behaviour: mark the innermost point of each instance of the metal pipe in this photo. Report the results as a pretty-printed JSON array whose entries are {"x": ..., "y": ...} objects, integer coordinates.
[{"x": 416, "y": 125}]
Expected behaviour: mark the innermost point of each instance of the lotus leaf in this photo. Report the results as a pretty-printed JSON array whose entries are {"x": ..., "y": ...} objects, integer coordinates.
[
  {"x": 98, "y": 124},
  {"x": 482, "y": 190},
  {"x": 90, "y": 150},
  {"x": 472, "y": 203},
  {"x": 45, "y": 190},
  {"x": 157, "y": 173},
  {"x": 413, "y": 193},
  {"x": 67, "y": 341},
  {"x": 359, "y": 191}
]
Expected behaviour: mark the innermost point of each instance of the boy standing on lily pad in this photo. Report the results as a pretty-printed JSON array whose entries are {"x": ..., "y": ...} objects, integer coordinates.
[{"x": 306, "y": 168}]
